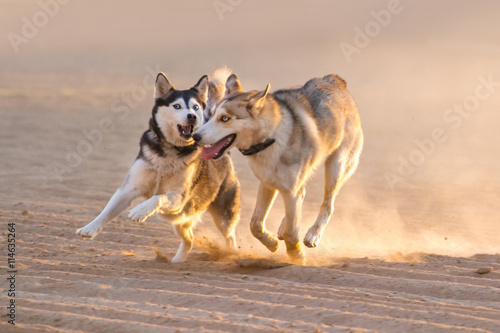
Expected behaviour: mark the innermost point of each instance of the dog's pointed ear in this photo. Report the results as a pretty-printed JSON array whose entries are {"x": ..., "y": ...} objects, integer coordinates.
[
  {"x": 233, "y": 84},
  {"x": 257, "y": 102},
  {"x": 201, "y": 88},
  {"x": 162, "y": 86}
]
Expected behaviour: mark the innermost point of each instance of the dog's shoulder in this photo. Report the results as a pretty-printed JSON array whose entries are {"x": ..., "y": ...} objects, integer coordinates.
[{"x": 149, "y": 145}]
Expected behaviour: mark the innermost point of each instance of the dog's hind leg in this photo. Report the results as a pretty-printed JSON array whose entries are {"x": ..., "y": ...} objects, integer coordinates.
[
  {"x": 265, "y": 199},
  {"x": 225, "y": 220},
  {"x": 338, "y": 168},
  {"x": 281, "y": 229},
  {"x": 135, "y": 185},
  {"x": 225, "y": 210},
  {"x": 290, "y": 231},
  {"x": 185, "y": 232}
]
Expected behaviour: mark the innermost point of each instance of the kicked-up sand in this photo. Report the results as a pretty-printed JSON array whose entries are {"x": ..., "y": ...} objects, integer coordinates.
[{"x": 413, "y": 245}]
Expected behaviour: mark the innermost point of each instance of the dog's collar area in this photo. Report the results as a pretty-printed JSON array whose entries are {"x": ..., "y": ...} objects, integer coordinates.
[
  {"x": 186, "y": 150},
  {"x": 161, "y": 141},
  {"x": 258, "y": 147}
]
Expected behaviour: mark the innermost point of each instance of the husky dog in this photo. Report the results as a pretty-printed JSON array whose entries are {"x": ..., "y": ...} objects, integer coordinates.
[
  {"x": 286, "y": 135},
  {"x": 168, "y": 171}
]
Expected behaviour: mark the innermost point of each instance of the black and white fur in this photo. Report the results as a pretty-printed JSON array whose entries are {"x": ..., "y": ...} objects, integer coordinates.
[{"x": 168, "y": 171}]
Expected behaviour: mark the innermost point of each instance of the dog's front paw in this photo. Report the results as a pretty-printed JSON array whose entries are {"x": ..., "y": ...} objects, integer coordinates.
[
  {"x": 270, "y": 241},
  {"x": 141, "y": 212},
  {"x": 89, "y": 231},
  {"x": 312, "y": 237}
]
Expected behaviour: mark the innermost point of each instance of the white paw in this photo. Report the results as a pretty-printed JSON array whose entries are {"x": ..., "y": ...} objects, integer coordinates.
[
  {"x": 231, "y": 242},
  {"x": 141, "y": 212},
  {"x": 270, "y": 241},
  {"x": 180, "y": 257},
  {"x": 89, "y": 231},
  {"x": 312, "y": 237}
]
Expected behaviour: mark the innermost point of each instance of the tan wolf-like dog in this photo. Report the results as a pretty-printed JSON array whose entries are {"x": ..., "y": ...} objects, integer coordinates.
[
  {"x": 179, "y": 185},
  {"x": 286, "y": 135}
]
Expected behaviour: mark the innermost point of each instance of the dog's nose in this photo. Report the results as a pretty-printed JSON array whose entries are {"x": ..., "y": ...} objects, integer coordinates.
[
  {"x": 196, "y": 137},
  {"x": 191, "y": 118}
]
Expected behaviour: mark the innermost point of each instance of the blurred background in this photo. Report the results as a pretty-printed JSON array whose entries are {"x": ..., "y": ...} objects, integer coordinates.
[{"x": 425, "y": 76}]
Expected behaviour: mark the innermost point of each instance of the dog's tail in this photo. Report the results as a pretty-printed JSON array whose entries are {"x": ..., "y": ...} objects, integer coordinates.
[{"x": 216, "y": 88}]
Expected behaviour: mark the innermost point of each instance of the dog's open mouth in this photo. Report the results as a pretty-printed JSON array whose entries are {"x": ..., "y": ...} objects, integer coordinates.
[
  {"x": 217, "y": 149},
  {"x": 185, "y": 131}
]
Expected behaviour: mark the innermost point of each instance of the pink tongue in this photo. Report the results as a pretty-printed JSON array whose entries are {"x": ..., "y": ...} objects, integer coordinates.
[
  {"x": 208, "y": 153},
  {"x": 187, "y": 129}
]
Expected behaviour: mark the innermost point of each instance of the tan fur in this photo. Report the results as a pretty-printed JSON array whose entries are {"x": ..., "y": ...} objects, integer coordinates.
[
  {"x": 178, "y": 184},
  {"x": 312, "y": 125}
]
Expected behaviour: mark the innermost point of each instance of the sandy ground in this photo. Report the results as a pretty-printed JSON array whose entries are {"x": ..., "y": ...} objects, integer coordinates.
[{"x": 396, "y": 257}]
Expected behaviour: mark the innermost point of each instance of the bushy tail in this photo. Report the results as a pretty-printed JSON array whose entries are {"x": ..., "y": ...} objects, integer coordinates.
[{"x": 216, "y": 88}]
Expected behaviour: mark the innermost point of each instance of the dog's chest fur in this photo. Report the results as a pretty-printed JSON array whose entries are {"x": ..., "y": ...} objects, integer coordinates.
[
  {"x": 266, "y": 167},
  {"x": 168, "y": 164},
  {"x": 163, "y": 156}
]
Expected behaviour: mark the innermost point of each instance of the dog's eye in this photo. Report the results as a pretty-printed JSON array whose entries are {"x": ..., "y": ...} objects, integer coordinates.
[
  {"x": 224, "y": 119},
  {"x": 177, "y": 106},
  {"x": 196, "y": 107}
]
